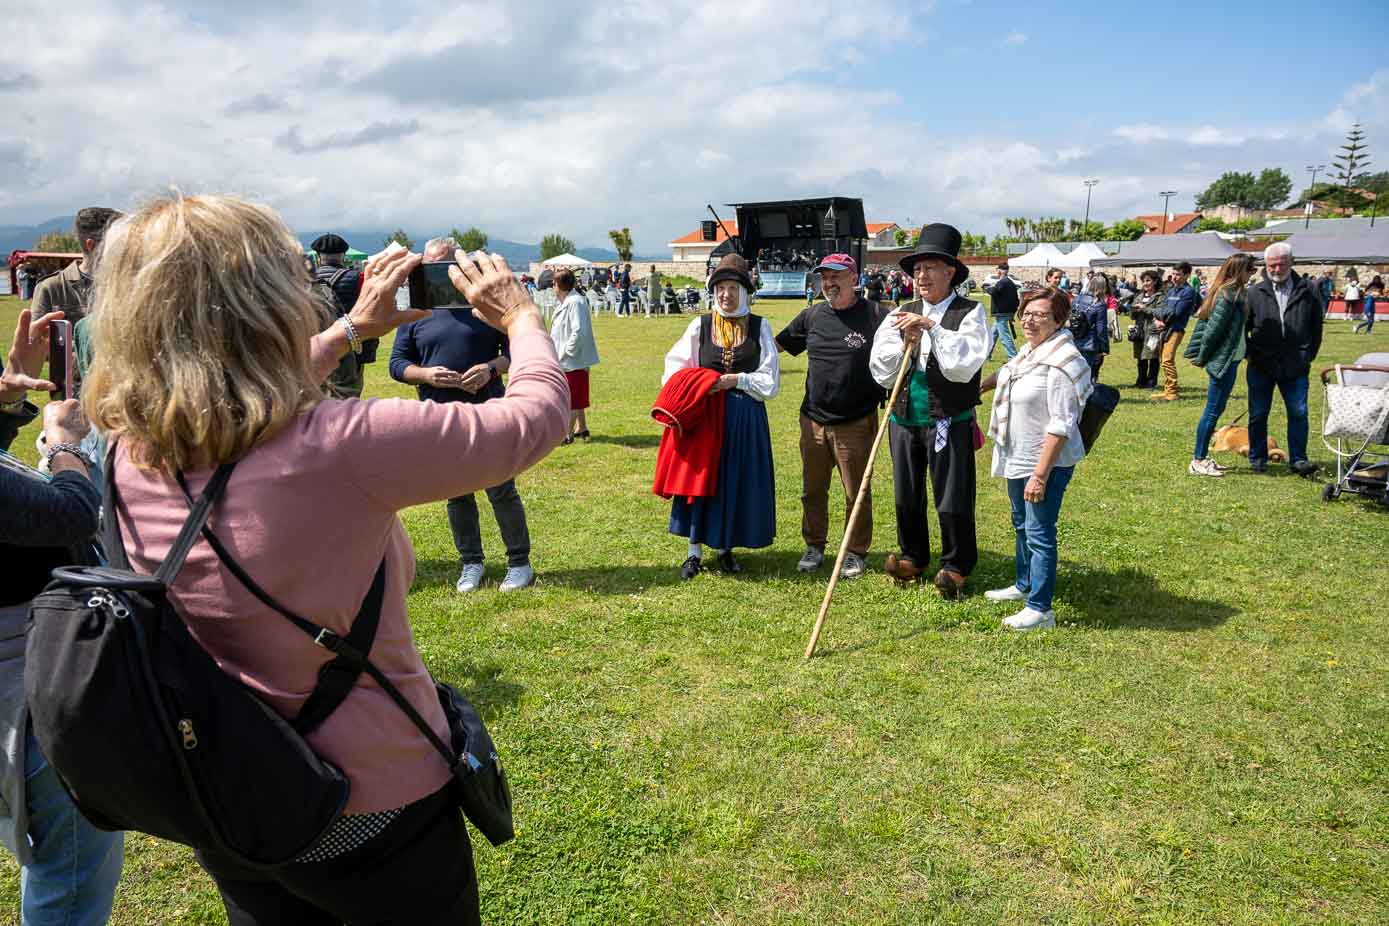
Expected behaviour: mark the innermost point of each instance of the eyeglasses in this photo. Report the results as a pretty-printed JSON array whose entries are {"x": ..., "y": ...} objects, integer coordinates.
[
  {"x": 1035, "y": 316},
  {"x": 933, "y": 268}
]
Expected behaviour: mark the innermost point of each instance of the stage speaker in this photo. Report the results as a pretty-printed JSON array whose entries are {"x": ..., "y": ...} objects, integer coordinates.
[{"x": 708, "y": 230}]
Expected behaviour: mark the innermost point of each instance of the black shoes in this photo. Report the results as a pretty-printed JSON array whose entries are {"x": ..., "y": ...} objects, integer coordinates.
[
  {"x": 1258, "y": 467},
  {"x": 728, "y": 564},
  {"x": 1303, "y": 468},
  {"x": 582, "y": 435},
  {"x": 690, "y": 568}
]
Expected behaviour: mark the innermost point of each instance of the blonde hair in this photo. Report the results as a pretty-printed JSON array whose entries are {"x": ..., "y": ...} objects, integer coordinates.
[
  {"x": 201, "y": 324},
  {"x": 1236, "y": 271}
]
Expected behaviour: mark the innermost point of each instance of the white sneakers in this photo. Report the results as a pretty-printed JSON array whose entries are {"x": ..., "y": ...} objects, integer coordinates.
[
  {"x": 470, "y": 578},
  {"x": 1206, "y": 467},
  {"x": 517, "y": 577},
  {"x": 1028, "y": 619},
  {"x": 1011, "y": 593}
]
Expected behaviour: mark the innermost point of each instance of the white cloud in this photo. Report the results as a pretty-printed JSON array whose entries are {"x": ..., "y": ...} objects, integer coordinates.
[
  {"x": 526, "y": 117},
  {"x": 1015, "y": 38}
]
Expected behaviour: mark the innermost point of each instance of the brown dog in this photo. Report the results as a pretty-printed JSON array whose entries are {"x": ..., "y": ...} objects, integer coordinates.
[{"x": 1234, "y": 439}]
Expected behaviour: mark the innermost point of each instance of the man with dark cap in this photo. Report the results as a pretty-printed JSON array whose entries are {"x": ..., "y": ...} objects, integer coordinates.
[
  {"x": 932, "y": 423},
  {"x": 839, "y": 414},
  {"x": 70, "y": 290},
  {"x": 338, "y": 285}
]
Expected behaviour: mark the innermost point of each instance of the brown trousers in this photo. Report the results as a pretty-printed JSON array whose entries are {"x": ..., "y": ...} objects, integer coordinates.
[
  {"x": 823, "y": 449},
  {"x": 1170, "y": 345}
]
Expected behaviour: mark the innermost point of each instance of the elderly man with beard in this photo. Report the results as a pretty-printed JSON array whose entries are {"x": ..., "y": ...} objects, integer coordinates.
[
  {"x": 1285, "y": 329},
  {"x": 839, "y": 415},
  {"x": 932, "y": 425}
]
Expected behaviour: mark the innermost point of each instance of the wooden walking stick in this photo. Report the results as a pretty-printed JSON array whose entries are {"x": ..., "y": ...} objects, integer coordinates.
[{"x": 908, "y": 355}]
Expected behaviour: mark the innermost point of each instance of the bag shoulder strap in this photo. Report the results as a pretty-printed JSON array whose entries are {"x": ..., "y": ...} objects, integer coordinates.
[
  {"x": 337, "y": 677},
  {"x": 187, "y": 535}
]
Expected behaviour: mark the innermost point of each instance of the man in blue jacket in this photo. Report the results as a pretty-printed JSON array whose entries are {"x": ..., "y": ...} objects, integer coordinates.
[
  {"x": 1171, "y": 321},
  {"x": 1285, "y": 329}
]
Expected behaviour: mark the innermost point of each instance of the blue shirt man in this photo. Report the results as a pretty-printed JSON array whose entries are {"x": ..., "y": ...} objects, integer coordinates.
[
  {"x": 1172, "y": 318},
  {"x": 452, "y": 356}
]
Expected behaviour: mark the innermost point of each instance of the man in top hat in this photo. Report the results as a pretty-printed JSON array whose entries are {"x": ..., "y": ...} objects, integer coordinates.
[
  {"x": 339, "y": 286},
  {"x": 932, "y": 424},
  {"x": 839, "y": 415}
]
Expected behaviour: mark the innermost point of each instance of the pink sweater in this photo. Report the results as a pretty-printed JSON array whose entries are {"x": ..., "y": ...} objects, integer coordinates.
[{"x": 309, "y": 514}]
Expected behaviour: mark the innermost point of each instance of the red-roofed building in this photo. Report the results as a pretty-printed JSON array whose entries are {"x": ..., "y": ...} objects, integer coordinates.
[
  {"x": 693, "y": 247},
  {"x": 1179, "y": 224}
]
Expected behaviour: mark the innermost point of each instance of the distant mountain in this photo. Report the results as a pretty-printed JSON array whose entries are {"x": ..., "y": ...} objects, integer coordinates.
[
  {"x": 517, "y": 254},
  {"x": 22, "y": 237}
]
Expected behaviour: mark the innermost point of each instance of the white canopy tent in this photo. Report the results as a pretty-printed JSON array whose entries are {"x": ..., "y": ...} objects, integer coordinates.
[
  {"x": 1169, "y": 250},
  {"x": 567, "y": 260},
  {"x": 1043, "y": 255},
  {"x": 1080, "y": 257}
]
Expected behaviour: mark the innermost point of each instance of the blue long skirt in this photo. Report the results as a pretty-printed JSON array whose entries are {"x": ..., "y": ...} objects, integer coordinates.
[{"x": 742, "y": 513}]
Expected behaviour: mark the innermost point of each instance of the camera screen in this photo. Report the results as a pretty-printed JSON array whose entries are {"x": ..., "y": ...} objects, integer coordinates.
[{"x": 431, "y": 288}]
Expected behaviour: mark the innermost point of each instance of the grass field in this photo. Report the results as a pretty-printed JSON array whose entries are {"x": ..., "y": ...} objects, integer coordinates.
[{"x": 1203, "y": 739}]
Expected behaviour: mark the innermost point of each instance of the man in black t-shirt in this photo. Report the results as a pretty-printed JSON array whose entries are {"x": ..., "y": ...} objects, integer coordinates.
[{"x": 839, "y": 415}]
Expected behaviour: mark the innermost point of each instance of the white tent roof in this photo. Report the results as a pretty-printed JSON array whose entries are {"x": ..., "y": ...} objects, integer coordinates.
[
  {"x": 1080, "y": 257},
  {"x": 567, "y": 260},
  {"x": 1169, "y": 250},
  {"x": 1043, "y": 255}
]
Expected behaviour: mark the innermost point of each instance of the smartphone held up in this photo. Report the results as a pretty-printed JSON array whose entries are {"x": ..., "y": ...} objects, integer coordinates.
[
  {"x": 62, "y": 361},
  {"x": 431, "y": 288}
]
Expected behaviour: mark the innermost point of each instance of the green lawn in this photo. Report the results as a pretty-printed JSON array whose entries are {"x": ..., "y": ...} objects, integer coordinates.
[{"x": 1201, "y": 740}]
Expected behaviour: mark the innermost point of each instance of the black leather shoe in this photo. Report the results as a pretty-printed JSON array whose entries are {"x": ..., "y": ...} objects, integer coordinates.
[
  {"x": 1303, "y": 468},
  {"x": 690, "y": 568},
  {"x": 582, "y": 435},
  {"x": 728, "y": 564},
  {"x": 1260, "y": 467}
]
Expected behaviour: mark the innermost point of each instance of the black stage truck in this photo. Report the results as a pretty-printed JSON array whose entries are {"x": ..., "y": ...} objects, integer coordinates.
[{"x": 787, "y": 238}]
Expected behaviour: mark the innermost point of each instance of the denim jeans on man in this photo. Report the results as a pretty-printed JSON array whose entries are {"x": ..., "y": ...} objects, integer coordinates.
[
  {"x": 1217, "y": 394},
  {"x": 1034, "y": 532},
  {"x": 511, "y": 520},
  {"x": 1294, "y": 392},
  {"x": 1001, "y": 333},
  {"x": 72, "y": 880}
]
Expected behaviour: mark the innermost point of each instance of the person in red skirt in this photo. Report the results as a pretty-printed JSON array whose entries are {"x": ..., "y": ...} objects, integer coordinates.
[{"x": 572, "y": 332}]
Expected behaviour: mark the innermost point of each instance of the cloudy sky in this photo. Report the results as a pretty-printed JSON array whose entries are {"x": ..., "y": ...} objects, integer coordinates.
[{"x": 530, "y": 117}]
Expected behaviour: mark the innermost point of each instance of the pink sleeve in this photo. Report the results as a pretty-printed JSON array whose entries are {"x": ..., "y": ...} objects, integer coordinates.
[{"x": 403, "y": 452}]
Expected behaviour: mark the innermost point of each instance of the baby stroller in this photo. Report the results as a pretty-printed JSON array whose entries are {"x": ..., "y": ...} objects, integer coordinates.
[{"x": 1355, "y": 415}]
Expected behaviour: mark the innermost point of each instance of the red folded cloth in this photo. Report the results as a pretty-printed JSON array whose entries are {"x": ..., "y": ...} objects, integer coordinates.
[{"x": 687, "y": 463}]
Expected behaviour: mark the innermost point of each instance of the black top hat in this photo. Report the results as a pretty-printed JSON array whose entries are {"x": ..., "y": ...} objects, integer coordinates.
[
  {"x": 330, "y": 244},
  {"x": 939, "y": 240},
  {"x": 732, "y": 267}
]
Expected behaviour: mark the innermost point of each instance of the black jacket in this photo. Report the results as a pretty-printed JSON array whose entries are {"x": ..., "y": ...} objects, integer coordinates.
[
  {"x": 1284, "y": 346},
  {"x": 1003, "y": 297}
]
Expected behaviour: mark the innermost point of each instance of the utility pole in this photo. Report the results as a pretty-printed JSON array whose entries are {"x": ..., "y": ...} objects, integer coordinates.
[
  {"x": 1166, "y": 195},
  {"x": 1311, "y": 194},
  {"x": 1084, "y": 229}
]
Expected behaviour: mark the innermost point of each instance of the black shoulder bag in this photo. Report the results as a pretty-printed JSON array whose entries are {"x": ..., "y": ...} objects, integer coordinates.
[{"x": 147, "y": 733}]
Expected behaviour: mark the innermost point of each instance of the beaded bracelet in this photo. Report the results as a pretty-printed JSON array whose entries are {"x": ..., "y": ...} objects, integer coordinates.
[{"x": 352, "y": 340}]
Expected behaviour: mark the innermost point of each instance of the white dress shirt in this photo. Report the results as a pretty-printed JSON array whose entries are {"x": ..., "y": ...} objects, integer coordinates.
[
  {"x": 960, "y": 354},
  {"x": 762, "y": 383}
]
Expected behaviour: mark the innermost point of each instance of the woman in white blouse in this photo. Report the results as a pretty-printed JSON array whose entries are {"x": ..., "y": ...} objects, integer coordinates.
[
  {"x": 1035, "y": 426},
  {"x": 739, "y": 345},
  {"x": 572, "y": 332}
]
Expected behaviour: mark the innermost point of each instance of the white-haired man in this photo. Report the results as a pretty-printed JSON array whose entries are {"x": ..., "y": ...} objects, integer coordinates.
[{"x": 1285, "y": 328}]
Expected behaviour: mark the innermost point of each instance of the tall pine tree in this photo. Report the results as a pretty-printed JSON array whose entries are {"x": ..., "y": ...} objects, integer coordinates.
[{"x": 1352, "y": 160}]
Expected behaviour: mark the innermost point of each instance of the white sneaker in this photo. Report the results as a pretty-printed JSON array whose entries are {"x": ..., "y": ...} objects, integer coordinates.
[
  {"x": 470, "y": 578},
  {"x": 853, "y": 567},
  {"x": 517, "y": 577},
  {"x": 1011, "y": 593},
  {"x": 1206, "y": 467},
  {"x": 1028, "y": 619},
  {"x": 811, "y": 559}
]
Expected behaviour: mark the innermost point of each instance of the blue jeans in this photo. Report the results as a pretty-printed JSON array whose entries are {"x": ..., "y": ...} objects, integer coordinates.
[
  {"x": 72, "y": 881},
  {"x": 1034, "y": 533},
  {"x": 1294, "y": 392},
  {"x": 1217, "y": 394},
  {"x": 1001, "y": 333}
]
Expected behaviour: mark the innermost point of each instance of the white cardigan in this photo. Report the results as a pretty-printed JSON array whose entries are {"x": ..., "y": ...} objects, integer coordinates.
[{"x": 572, "y": 332}]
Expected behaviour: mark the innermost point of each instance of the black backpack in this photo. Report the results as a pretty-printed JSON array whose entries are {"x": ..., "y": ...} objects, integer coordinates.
[{"x": 147, "y": 733}]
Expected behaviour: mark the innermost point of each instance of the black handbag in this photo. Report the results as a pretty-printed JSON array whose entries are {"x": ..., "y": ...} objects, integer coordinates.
[
  {"x": 1101, "y": 404},
  {"x": 147, "y": 733}
]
